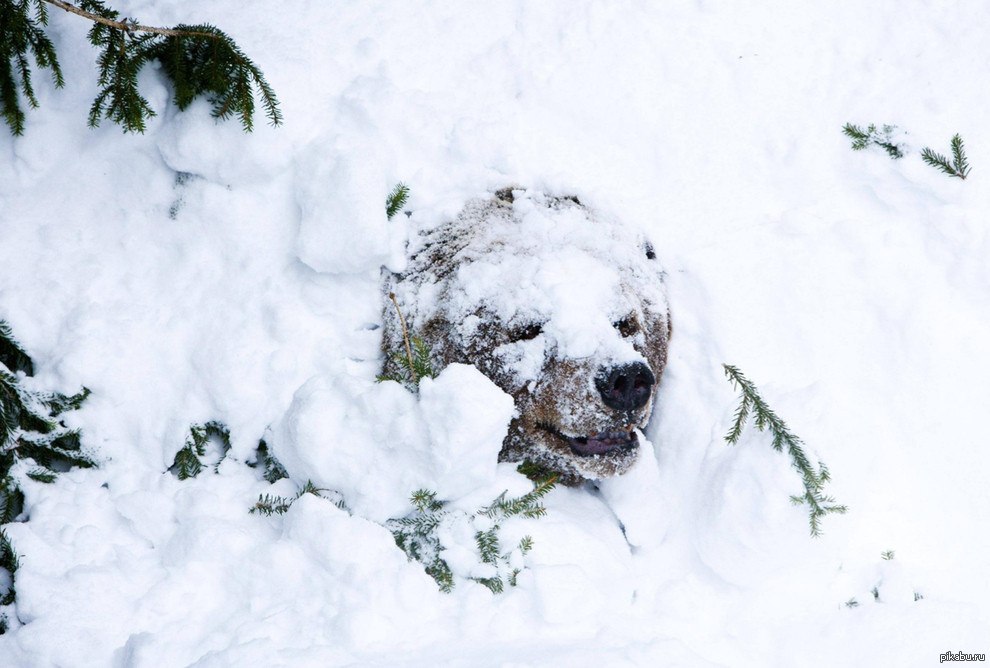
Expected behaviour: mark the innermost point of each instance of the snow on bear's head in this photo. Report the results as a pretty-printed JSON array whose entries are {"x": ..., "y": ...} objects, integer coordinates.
[{"x": 562, "y": 308}]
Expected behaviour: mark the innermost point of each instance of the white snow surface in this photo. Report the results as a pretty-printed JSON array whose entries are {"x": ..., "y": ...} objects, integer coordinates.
[{"x": 196, "y": 273}]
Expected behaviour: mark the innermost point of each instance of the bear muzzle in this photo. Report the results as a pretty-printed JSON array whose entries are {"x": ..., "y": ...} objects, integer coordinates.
[{"x": 626, "y": 388}]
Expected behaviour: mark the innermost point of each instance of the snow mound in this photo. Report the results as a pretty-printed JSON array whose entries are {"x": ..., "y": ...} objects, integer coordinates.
[{"x": 377, "y": 443}]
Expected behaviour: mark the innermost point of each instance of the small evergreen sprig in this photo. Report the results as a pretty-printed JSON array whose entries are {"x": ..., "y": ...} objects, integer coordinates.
[
  {"x": 396, "y": 199},
  {"x": 21, "y": 34},
  {"x": 187, "y": 463},
  {"x": 415, "y": 364},
  {"x": 765, "y": 419},
  {"x": 861, "y": 138},
  {"x": 199, "y": 60},
  {"x": 31, "y": 428},
  {"x": 273, "y": 469},
  {"x": 488, "y": 543},
  {"x": 409, "y": 370},
  {"x": 8, "y": 562},
  {"x": 418, "y": 535},
  {"x": 269, "y": 504},
  {"x": 958, "y": 168}
]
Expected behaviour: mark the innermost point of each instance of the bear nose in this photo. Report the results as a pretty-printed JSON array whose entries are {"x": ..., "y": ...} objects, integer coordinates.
[{"x": 626, "y": 387}]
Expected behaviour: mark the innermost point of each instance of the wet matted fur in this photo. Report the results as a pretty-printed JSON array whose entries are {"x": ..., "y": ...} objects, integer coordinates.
[{"x": 563, "y": 308}]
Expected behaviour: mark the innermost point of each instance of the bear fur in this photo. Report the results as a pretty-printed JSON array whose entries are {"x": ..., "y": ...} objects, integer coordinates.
[{"x": 561, "y": 307}]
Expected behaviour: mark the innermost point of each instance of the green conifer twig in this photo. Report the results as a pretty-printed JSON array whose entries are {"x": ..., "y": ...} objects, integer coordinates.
[
  {"x": 958, "y": 168},
  {"x": 21, "y": 34},
  {"x": 187, "y": 463},
  {"x": 765, "y": 419},
  {"x": 199, "y": 60},
  {"x": 32, "y": 430},
  {"x": 409, "y": 369},
  {"x": 396, "y": 199},
  {"x": 10, "y": 563},
  {"x": 269, "y": 505},
  {"x": 861, "y": 138},
  {"x": 417, "y": 535}
]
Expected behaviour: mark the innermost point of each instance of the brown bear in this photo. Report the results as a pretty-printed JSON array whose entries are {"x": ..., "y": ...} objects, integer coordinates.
[{"x": 561, "y": 307}]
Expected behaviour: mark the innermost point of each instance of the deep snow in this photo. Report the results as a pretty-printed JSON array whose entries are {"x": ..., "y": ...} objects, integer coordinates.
[{"x": 197, "y": 273}]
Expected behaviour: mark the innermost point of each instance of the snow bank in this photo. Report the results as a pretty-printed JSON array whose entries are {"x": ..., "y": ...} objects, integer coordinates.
[{"x": 377, "y": 443}]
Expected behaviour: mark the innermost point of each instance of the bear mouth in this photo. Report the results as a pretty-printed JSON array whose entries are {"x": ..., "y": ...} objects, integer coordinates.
[{"x": 602, "y": 443}]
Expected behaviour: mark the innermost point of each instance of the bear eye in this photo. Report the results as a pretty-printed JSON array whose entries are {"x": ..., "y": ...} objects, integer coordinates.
[
  {"x": 627, "y": 326},
  {"x": 526, "y": 332}
]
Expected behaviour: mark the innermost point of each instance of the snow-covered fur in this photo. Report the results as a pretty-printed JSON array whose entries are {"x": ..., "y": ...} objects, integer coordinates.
[{"x": 563, "y": 308}]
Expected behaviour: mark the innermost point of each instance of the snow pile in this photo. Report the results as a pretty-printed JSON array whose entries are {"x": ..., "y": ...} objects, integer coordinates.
[
  {"x": 194, "y": 273},
  {"x": 377, "y": 443}
]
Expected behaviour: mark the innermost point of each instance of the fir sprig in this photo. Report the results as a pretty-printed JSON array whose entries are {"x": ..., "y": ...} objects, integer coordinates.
[
  {"x": 861, "y": 138},
  {"x": 958, "y": 168},
  {"x": 188, "y": 463},
  {"x": 416, "y": 364},
  {"x": 272, "y": 468},
  {"x": 21, "y": 34},
  {"x": 12, "y": 355},
  {"x": 417, "y": 535},
  {"x": 32, "y": 430},
  {"x": 269, "y": 504},
  {"x": 199, "y": 60},
  {"x": 527, "y": 505},
  {"x": 32, "y": 426},
  {"x": 8, "y": 562},
  {"x": 409, "y": 370},
  {"x": 814, "y": 479},
  {"x": 396, "y": 199}
]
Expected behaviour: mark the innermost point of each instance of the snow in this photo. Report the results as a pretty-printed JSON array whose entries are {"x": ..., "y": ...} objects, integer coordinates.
[{"x": 196, "y": 273}]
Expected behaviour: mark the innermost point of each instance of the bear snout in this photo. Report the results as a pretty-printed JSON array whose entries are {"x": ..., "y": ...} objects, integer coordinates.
[{"x": 627, "y": 387}]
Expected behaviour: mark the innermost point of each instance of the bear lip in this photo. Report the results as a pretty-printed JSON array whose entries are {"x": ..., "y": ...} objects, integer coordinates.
[{"x": 601, "y": 443}]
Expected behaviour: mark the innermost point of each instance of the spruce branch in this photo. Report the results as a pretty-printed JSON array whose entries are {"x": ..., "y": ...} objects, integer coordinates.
[
  {"x": 272, "y": 468},
  {"x": 813, "y": 478},
  {"x": 396, "y": 199},
  {"x": 958, "y": 167},
  {"x": 10, "y": 563},
  {"x": 188, "y": 463},
  {"x": 269, "y": 505},
  {"x": 108, "y": 18},
  {"x": 416, "y": 363},
  {"x": 198, "y": 60},
  {"x": 32, "y": 430},
  {"x": 862, "y": 139},
  {"x": 21, "y": 34},
  {"x": 417, "y": 534},
  {"x": 12, "y": 355},
  {"x": 405, "y": 337}
]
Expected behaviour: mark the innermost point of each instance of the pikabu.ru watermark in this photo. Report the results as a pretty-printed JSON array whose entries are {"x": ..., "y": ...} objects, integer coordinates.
[{"x": 961, "y": 656}]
